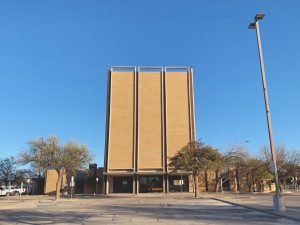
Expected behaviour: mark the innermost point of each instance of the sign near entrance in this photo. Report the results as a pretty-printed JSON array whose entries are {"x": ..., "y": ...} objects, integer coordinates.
[
  {"x": 72, "y": 183},
  {"x": 178, "y": 182}
]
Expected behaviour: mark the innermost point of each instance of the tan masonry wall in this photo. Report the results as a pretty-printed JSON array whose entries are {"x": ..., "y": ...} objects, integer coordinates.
[
  {"x": 149, "y": 120},
  {"x": 259, "y": 185},
  {"x": 177, "y": 111},
  {"x": 121, "y": 121},
  {"x": 50, "y": 182},
  {"x": 150, "y": 116}
]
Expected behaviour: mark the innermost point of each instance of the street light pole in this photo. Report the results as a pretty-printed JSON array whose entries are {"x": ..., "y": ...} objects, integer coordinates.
[{"x": 278, "y": 202}]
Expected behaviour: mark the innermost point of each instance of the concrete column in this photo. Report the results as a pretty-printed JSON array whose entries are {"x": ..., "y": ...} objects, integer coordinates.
[
  {"x": 106, "y": 185},
  {"x": 167, "y": 183},
  {"x": 164, "y": 183},
  {"x": 137, "y": 184},
  {"x": 134, "y": 184}
]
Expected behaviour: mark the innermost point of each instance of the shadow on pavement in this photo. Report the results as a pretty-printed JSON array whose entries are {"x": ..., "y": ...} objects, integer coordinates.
[{"x": 79, "y": 213}]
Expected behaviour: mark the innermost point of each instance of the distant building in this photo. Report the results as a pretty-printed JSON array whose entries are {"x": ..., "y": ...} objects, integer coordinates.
[
  {"x": 50, "y": 182},
  {"x": 85, "y": 181},
  {"x": 207, "y": 182},
  {"x": 150, "y": 116}
]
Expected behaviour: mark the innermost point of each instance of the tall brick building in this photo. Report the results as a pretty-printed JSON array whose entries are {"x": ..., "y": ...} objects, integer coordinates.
[{"x": 150, "y": 116}]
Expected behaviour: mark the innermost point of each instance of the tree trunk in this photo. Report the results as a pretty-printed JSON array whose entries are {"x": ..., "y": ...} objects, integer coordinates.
[
  {"x": 58, "y": 184},
  {"x": 196, "y": 185},
  {"x": 237, "y": 179},
  {"x": 254, "y": 185},
  {"x": 248, "y": 183},
  {"x": 249, "y": 188},
  {"x": 206, "y": 181},
  {"x": 217, "y": 181}
]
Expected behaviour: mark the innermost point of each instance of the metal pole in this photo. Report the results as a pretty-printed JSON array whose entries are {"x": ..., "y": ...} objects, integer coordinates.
[
  {"x": 272, "y": 145},
  {"x": 9, "y": 188},
  {"x": 235, "y": 184},
  {"x": 96, "y": 186},
  {"x": 181, "y": 182},
  {"x": 278, "y": 202},
  {"x": 71, "y": 191},
  {"x": 236, "y": 190},
  {"x": 221, "y": 181}
]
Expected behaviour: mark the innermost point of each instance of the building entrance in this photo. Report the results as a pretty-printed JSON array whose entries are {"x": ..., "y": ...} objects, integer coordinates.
[
  {"x": 178, "y": 185},
  {"x": 150, "y": 184},
  {"x": 122, "y": 184},
  {"x": 226, "y": 182}
]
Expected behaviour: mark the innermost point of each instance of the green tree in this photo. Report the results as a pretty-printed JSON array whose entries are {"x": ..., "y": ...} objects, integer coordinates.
[
  {"x": 194, "y": 157},
  {"x": 262, "y": 173},
  {"x": 46, "y": 154}
]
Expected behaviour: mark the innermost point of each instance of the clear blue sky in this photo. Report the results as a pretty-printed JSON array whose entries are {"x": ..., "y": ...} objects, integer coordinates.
[{"x": 54, "y": 57}]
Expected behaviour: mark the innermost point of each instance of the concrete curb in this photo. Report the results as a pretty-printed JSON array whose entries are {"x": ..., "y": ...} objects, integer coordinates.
[{"x": 259, "y": 210}]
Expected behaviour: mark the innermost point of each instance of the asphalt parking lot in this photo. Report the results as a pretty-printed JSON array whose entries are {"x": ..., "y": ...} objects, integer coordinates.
[{"x": 131, "y": 209}]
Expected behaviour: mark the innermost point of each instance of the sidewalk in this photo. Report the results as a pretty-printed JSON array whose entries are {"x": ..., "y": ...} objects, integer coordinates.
[
  {"x": 158, "y": 208},
  {"x": 263, "y": 202},
  {"x": 259, "y": 202}
]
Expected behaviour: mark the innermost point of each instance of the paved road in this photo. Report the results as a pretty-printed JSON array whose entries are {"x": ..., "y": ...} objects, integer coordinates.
[{"x": 127, "y": 209}]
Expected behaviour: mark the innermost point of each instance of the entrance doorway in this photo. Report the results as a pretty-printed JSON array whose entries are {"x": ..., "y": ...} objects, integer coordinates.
[
  {"x": 122, "y": 184},
  {"x": 150, "y": 184},
  {"x": 226, "y": 182},
  {"x": 175, "y": 183}
]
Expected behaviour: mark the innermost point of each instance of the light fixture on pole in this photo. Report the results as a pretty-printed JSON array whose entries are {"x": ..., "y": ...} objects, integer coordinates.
[{"x": 278, "y": 201}]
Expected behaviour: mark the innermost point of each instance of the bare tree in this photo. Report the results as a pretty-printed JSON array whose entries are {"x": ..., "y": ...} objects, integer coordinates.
[
  {"x": 251, "y": 169},
  {"x": 292, "y": 165},
  {"x": 45, "y": 154},
  {"x": 235, "y": 156},
  {"x": 7, "y": 166},
  {"x": 219, "y": 166},
  {"x": 288, "y": 162},
  {"x": 10, "y": 166}
]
